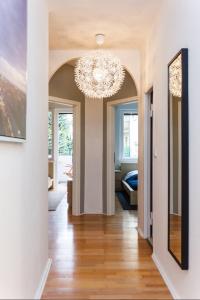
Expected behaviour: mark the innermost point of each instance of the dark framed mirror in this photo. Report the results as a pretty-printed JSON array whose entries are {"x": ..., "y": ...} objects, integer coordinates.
[{"x": 178, "y": 159}]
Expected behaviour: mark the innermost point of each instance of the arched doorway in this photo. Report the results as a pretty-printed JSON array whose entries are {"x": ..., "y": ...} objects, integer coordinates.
[
  {"x": 127, "y": 95},
  {"x": 63, "y": 88},
  {"x": 63, "y": 91}
]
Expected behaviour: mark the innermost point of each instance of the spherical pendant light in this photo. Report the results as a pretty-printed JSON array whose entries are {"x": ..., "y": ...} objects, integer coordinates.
[{"x": 99, "y": 74}]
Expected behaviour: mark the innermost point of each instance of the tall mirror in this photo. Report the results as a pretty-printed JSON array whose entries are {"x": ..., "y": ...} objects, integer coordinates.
[{"x": 178, "y": 191}]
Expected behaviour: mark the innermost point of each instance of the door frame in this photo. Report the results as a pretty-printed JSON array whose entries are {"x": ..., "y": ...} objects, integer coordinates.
[
  {"x": 111, "y": 149},
  {"x": 148, "y": 160},
  {"x": 76, "y": 149}
]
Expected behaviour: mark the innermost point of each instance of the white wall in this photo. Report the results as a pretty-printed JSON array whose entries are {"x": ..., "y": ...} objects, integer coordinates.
[
  {"x": 23, "y": 176},
  {"x": 93, "y": 156},
  {"x": 178, "y": 26}
]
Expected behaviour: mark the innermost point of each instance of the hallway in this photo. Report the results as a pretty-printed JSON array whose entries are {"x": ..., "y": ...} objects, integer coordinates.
[{"x": 99, "y": 257}]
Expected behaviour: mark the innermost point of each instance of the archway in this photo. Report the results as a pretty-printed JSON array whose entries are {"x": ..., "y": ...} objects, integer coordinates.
[
  {"x": 127, "y": 94},
  {"x": 63, "y": 90},
  {"x": 59, "y": 78}
]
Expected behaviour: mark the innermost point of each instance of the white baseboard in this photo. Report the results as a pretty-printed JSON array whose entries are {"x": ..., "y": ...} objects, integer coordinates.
[
  {"x": 43, "y": 280},
  {"x": 165, "y": 278},
  {"x": 140, "y": 232},
  {"x": 93, "y": 213}
]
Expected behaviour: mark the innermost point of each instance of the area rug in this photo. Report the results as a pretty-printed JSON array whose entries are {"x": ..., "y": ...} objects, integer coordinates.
[
  {"x": 124, "y": 201},
  {"x": 55, "y": 198}
]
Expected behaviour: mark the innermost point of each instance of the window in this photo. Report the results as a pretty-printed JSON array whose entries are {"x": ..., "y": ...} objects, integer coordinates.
[
  {"x": 50, "y": 135},
  {"x": 65, "y": 124},
  {"x": 130, "y": 136}
]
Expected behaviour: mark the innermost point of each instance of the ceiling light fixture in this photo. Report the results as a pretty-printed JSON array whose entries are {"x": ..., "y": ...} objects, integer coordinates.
[{"x": 99, "y": 74}]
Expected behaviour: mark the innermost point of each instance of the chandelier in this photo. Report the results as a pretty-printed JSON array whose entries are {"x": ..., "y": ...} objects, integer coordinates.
[
  {"x": 175, "y": 77},
  {"x": 99, "y": 74}
]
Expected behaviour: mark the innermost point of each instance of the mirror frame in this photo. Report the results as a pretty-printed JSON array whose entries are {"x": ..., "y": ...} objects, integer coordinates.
[{"x": 184, "y": 263}]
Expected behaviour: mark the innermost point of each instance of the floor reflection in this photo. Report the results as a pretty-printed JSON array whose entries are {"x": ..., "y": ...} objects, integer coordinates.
[{"x": 175, "y": 235}]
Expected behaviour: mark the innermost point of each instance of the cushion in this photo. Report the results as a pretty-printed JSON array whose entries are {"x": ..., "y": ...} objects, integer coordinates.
[
  {"x": 132, "y": 174},
  {"x": 132, "y": 183}
]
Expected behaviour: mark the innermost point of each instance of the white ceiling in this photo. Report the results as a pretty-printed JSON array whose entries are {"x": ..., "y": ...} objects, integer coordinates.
[{"x": 74, "y": 23}]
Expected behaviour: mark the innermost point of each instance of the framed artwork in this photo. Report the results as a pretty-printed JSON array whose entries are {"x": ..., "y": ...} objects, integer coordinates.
[{"x": 13, "y": 69}]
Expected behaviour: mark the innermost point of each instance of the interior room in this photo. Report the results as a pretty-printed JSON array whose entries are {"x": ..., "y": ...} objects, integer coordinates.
[
  {"x": 99, "y": 149},
  {"x": 126, "y": 154},
  {"x": 60, "y": 154}
]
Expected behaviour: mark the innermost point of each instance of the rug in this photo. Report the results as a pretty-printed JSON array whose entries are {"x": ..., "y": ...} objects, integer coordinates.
[
  {"x": 55, "y": 197},
  {"x": 124, "y": 201}
]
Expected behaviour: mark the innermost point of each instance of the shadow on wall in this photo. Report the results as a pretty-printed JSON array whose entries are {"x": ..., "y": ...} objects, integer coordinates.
[{"x": 62, "y": 84}]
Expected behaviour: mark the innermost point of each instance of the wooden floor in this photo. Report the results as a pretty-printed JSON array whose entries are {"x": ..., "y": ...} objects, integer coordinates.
[
  {"x": 175, "y": 235},
  {"x": 99, "y": 257}
]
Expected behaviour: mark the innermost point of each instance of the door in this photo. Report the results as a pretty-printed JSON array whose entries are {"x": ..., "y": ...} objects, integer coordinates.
[
  {"x": 150, "y": 172},
  {"x": 150, "y": 235}
]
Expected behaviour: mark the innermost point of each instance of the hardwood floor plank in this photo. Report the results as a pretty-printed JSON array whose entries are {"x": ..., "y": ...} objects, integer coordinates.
[{"x": 98, "y": 257}]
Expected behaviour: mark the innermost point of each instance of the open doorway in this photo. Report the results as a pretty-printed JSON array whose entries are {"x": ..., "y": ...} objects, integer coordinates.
[
  {"x": 122, "y": 175},
  {"x": 126, "y": 154},
  {"x": 149, "y": 125},
  {"x": 60, "y": 154}
]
